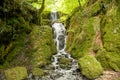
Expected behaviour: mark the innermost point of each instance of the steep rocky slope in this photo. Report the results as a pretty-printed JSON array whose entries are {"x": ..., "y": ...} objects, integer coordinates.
[{"x": 94, "y": 30}]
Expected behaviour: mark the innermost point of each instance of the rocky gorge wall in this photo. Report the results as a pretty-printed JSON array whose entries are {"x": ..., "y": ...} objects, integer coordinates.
[{"x": 94, "y": 30}]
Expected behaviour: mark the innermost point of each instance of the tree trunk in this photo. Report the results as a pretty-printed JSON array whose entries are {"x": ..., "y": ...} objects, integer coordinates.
[{"x": 40, "y": 12}]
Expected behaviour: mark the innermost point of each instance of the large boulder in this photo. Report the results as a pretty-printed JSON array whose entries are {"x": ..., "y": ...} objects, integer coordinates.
[
  {"x": 90, "y": 67},
  {"x": 17, "y": 73}
]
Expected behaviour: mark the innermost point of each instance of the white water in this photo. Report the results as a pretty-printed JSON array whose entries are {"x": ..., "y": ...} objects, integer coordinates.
[
  {"x": 53, "y": 15},
  {"x": 60, "y": 40}
]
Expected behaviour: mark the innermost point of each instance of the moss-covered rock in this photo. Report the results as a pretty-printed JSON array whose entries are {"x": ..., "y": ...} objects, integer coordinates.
[
  {"x": 109, "y": 60},
  {"x": 65, "y": 63},
  {"x": 83, "y": 29},
  {"x": 96, "y": 28},
  {"x": 109, "y": 57},
  {"x": 38, "y": 72},
  {"x": 90, "y": 67},
  {"x": 17, "y": 73},
  {"x": 43, "y": 45}
]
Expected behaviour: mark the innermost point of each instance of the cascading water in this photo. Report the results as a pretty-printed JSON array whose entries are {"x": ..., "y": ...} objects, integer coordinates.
[
  {"x": 60, "y": 40},
  {"x": 68, "y": 70},
  {"x": 53, "y": 16}
]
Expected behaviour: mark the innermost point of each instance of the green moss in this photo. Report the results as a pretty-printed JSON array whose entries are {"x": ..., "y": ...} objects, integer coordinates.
[
  {"x": 83, "y": 32},
  {"x": 84, "y": 27},
  {"x": 117, "y": 79},
  {"x": 90, "y": 67},
  {"x": 111, "y": 43},
  {"x": 95, "y": 47},
  {"x": 13, "y": 38},
  {"x": 109, "y": 57},
  {"x": 17, "y": 73},
  {"x": 95, "y": 8},
  {"x": 43, "y": 46},
  {"x": 38, "y": 72},
  {"x": 109, "y": 60},
  {"x": 65, "y": 63}
]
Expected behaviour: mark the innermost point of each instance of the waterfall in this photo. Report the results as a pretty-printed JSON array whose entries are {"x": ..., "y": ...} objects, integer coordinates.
[
  {"x": 59, "y": 36},
  {"x": 53, "y": 16},
  {"x": 64, "y": 67},
  {"x": 60, "y": 41}
]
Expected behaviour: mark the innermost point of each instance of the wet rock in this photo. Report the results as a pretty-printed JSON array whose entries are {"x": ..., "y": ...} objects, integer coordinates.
[
  {"x": 49, "y": 67},
  {"x": 30, "y": 76},
  {"x": 2, "y": 76},
  {"x": 61, "y": 39}
]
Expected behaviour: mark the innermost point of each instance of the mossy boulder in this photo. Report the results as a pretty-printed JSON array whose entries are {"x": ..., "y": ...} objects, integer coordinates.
[
  {"x": 17, "y": 73},
  {"x": 43, "y": 45},
  {"x": 65, "y": 63},
  {"x": 109, "y": 60},
  {"x": 90, "y": 67},
  {"x": 38, "y": 72}
]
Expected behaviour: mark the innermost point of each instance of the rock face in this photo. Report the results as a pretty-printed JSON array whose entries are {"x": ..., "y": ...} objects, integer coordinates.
[
  {"x": 90, "y": 67},
  {"x": 95, "y": 30},
  {"x": 43, "y": 45},
  {"x": 17, "y": 73}
]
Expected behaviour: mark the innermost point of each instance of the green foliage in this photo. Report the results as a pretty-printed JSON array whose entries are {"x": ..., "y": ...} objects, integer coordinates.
[
  {"x": 17, "y": 48},
  {"x": 5, "y": 51},
  {"x": 13, "y": 38},
  {"x": 90, "y": 67},
  {"x": 69, "y": 5},
  {"x": 17, "y": 73}
]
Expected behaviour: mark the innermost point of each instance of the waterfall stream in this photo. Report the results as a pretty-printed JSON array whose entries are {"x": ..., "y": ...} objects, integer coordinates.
[
  {"x": 64, "y": 66},
  {"x": 59, "y": 33}
]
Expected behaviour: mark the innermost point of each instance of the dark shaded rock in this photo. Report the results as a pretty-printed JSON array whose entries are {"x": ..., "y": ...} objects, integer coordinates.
[{"x": 61, "y": 39}]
